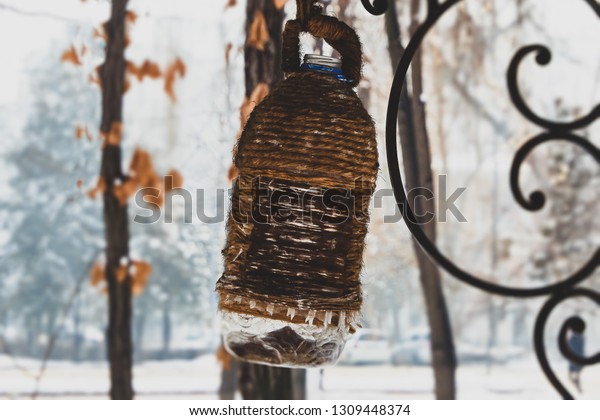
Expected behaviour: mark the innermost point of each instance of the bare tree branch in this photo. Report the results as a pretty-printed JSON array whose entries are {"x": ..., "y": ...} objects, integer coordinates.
[{"x": 16, "y": 10}]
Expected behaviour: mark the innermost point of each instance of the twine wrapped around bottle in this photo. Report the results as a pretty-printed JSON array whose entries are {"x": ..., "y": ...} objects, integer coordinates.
[{"x": 307, "y": 161}]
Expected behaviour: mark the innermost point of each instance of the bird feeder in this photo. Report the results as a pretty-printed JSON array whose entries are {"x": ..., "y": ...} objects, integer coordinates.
[{"x": 290, "y": 293}]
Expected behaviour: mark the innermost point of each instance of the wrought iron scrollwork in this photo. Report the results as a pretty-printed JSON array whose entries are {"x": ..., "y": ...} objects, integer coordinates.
[
  {"x": 575, "y": 324},
  {"x": 536, "y": 198},
  {"x": 543, "y": 58},
  {"x": 377, "y": 8},
  {"x": 554, "y": 131}
]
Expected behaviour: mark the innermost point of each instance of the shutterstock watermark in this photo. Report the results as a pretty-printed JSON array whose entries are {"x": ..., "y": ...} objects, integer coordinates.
[{"x": 267, "y": 201}]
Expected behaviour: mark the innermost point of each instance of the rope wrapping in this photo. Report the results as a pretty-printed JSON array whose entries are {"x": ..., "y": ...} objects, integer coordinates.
[
  {"x": 308, "y": 162},
  {"x": 337, "y": 34}
]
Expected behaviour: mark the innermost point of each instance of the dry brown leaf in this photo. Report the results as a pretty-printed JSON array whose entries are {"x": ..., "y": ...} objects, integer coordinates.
[
  {"x": 126, "y": 85},
  {"x": 177, "y": 68},
  {"x": 145, "y": 177},
  {"x": 259, "y": 93},
  {"x": 176, "y": 180},
  {"x": 154, "y": 195},
  {"x": 228, "y": 48},
  {"x": 155, "y": 199},
  {"x": 121, "y": 273},
  {"x": 83, "y": 131},
  {"x": 169, "y": 83},
  {"x": 131, "y": 68},
  {"x": 180, "y": 67},
  {"x": 137, "y": 289},
  {"x": 97, "y": 274},
  {"x": 79, "y": 132},
  {"x": 245, "y": 110},
  {"x": 155, "y": 182},
  {"x": 115, "y": 133},
  {"x": 98, "y": 189},
  {"x": 141, "y": 273},
  {"x": 232, "y": 173},
  {"x": 126, "y": 190},
  {"x": 131, "y": 16},
  {"x": 94, "y": 78},
  {"x": 230, "y": 3},
  {"x": 258, "y": 34},
  {"x": 149, "y": 69},
  {"x": 153, "y": 191},
  {"x": 101, "y": 32},
  {"x": 223, "y": 357},
  {"x": 79, "y": 183},
  {"x": 279, "y": 4},
  {"x": 142, "y": 167},
  {"x": 71, "y": 56}
]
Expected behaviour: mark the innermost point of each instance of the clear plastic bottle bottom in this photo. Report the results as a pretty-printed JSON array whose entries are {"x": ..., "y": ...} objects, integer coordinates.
[{"x": 280, "y": 343}]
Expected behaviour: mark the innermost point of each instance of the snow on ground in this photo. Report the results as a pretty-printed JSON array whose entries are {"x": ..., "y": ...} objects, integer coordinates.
[{"x": 199, "y": 379}]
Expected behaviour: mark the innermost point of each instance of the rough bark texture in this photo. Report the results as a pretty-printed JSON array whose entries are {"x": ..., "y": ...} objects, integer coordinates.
[
  {"x": 259, "y": 381},
  {"x": 112, "y": 76},
  {"x": 417, "y": 169},
  {"x": 263, "y": 66},
  {"x": 229, "y": 378}
]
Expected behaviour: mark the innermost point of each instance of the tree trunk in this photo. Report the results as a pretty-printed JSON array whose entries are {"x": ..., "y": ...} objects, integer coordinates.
[
  {"x": 298, "y": 384},
  {"x": 417, "y": 167},
  {"x": 112, "y": 76},
  {"x": 78, "y": 335},
  {"x": 139, "y": 328},
  {"x": 229, "y": 376},
  {"x": 260, "y": 382},
  {"x": 166, "y": 331},
  {"x": 263, "y": 65}
]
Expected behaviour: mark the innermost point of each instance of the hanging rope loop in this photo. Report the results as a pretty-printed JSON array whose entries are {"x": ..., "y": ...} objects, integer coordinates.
[
  {"x": 340, "y": 36},
  {"x": 305, "y": 9}
]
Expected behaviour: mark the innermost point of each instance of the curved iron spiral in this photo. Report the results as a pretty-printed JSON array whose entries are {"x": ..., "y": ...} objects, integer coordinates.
[
  {"x": 377, "y": 8},
  {"x": 543, "y": 57},
  {"x": 537, "y": 199},
  {"x": 574, "y": 323}
]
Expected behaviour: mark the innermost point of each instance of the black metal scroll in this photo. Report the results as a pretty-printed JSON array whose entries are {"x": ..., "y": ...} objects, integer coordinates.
[
  {"x": 377, "y": 8},
  {"x": 552, "y": 131}
]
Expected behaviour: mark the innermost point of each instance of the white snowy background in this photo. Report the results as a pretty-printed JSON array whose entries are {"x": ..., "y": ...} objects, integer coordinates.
[{"x": 50, "y": 230}]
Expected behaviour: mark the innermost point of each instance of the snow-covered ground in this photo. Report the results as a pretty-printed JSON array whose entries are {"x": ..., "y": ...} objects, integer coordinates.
[{"x": 199, "y": 379}]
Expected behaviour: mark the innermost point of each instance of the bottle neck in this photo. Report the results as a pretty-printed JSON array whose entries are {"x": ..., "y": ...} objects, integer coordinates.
[{"x": 324, "y": 64}]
